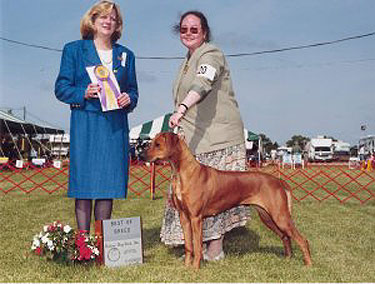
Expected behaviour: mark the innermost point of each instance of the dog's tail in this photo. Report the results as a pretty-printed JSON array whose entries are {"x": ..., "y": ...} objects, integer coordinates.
[{"x": 287, "y": 189}]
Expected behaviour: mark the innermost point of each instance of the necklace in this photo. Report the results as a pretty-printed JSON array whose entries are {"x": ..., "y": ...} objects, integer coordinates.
[
  {"x": 105, "y": 56},
  {"x": 106, "y": 62}
]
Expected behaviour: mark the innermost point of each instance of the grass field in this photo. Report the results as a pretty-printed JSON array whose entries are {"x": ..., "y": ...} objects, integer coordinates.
[{"x": 341, "y": 237}]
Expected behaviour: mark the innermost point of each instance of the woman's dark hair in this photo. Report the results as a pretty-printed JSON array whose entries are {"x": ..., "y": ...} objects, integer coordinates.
[{"x": 203, "y": 19}]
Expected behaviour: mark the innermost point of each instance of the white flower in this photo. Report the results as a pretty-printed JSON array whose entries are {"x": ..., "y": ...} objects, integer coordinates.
[
  {"x": 96, "y": 251},
  {"x": 45, "y": 238},
  {"x": 50, "y": 245},
  {"x": 67, "y": 229},
  {"x": 45, "y": 228},
  {"x": 36, "y": 244}
]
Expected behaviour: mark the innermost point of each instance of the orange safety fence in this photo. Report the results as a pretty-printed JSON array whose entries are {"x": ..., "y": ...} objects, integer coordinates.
[{"x": 315, "y": 181}]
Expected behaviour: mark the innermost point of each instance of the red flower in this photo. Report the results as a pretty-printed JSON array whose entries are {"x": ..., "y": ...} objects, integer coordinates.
[
  {"x": 38, "y": 251},
  {"x": 80, "y": 240},
  {"x": 84, "y": 253},
  {"x": 51, "y": 228}
]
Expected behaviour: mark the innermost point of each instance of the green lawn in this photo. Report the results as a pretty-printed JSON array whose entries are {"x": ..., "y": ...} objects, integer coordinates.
[{"x": 341, "y": 237}]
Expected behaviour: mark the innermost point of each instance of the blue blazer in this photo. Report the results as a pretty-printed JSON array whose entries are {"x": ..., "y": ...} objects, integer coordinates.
[{"x": 73, "y": 78}]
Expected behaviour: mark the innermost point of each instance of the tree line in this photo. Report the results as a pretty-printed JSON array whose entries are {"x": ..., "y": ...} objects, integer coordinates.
[{"x": 296, "y": 142}]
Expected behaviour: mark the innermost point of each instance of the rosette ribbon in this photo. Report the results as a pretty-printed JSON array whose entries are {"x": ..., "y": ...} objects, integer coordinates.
[{"x": 109, "y": 92}]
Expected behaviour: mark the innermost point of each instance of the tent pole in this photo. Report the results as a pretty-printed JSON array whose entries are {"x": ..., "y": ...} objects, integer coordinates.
[
  {"x": 27, "y": 137},
  {"x": 1, "y": 148},
  {"x": 50, "y": 143},
  {"x": 50, "y": 150},
  {"x": 14, "y": 142},
  {"x": 259, "y": 143},
  {"x": 44, "y": 147}
]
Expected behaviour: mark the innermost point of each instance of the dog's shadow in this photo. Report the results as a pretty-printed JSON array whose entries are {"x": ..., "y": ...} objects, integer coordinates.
[
  {"x": 151, "y": 237},
  {"x": 239, "y": 241},
  {"x": 242, "y": 240}
]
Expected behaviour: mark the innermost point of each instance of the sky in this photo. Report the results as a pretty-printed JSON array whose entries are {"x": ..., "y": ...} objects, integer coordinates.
[{"x": 325, "y": 90}]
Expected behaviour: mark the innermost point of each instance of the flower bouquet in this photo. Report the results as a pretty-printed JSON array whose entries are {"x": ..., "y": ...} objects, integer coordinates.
[{"x": 61, "y": 243}]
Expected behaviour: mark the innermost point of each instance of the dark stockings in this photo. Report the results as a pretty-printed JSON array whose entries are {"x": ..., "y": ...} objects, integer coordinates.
[
  {"x": 103, "y": 209},
  {"x": 83, "y": 214},
  {"x": 83, "y": 208}
]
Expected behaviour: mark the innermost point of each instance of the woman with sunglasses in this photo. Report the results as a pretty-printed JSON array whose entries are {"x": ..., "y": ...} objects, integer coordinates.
[
  {"x": 99, "y": 140},
  {"x": 207, "y": 115}
]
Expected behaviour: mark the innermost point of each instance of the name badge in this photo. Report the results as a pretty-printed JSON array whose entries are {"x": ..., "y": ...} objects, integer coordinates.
[
  {"x": 123, "y": 59},
  {"x": 207, "y": 71}
]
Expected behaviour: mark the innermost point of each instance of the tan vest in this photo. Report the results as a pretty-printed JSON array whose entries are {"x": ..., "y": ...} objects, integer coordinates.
[{"x": 214, "y": 123}]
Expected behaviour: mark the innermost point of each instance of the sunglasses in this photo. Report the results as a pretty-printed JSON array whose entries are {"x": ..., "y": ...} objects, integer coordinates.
[{"x": 193, "y": 30}]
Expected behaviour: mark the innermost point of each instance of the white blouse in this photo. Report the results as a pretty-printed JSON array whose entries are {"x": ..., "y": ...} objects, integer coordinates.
[{"x": 106, "y": 58}]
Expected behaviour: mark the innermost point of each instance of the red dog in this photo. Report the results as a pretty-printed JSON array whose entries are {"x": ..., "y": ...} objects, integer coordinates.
[{"x": 200, "y": 191}]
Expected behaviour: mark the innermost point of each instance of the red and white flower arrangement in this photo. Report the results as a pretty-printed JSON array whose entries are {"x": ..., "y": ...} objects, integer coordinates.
[{"x": 61, "y": 243}]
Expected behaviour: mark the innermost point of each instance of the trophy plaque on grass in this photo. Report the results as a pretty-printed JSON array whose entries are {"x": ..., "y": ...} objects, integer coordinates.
[{"x": 120, "y": 241}]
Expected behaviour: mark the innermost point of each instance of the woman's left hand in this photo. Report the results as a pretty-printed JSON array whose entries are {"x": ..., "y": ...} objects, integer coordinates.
[
  {"x": 175, "y": 119},
  {"x": 123, "y": 100}
]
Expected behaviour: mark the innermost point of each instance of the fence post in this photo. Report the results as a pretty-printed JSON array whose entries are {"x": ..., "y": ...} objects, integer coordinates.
[{"x": 152, "y": 181}]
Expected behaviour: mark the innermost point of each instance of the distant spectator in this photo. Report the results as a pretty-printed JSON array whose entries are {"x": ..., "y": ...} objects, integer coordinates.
[
  {"x": 372, "y": 160},
  {"x": 362, "y": 153}
]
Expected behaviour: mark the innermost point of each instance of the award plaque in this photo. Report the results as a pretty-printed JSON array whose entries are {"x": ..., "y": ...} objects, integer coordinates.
[{"x": 120, "y": 241}]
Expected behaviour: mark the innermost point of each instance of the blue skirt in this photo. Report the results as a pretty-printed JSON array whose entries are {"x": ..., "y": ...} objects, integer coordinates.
[{"x": 99, "y": 144}]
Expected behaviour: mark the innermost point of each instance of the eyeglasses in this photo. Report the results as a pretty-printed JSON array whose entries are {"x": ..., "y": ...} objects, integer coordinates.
[
  {"x": 193, "y": 30},
  {"x": 105, "y": 17}
]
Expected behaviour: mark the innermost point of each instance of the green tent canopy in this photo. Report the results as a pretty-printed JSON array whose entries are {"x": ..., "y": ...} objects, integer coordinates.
[
  {"x": 251, "y": 136},
  {"x": 149, "y": 129}
]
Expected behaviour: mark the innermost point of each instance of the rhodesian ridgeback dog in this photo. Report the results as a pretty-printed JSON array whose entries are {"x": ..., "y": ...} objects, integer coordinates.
[{"x": 200, "y": 191}]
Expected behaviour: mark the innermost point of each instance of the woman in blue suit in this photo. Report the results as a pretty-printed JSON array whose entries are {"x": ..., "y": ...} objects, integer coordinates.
[{"x": 99, "y": 141}]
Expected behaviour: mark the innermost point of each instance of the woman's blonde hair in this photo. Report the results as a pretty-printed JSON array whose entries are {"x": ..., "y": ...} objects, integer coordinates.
[{"x": 99, "y": 9}]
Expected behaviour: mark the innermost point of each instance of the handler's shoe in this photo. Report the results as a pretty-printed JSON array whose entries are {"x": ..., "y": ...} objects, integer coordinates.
[{"x": 220, "y": 256}]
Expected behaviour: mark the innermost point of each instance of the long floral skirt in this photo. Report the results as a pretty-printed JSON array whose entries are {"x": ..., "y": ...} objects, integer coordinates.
[{"x": 231, "y": 159}]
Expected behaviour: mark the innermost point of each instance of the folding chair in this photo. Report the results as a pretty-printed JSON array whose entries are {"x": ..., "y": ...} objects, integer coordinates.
[
  {"x": 287, "y": 160},
  {"x": 297, "y": 160}
]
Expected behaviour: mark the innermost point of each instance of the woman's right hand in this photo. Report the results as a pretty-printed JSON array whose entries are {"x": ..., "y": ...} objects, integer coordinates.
[{"x": 92, "y": 91}]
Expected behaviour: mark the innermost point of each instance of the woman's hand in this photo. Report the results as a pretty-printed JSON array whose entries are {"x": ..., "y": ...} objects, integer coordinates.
[
  {"x": 175, "y": 119},
  {"x": 92, "y": 91},
  {"x": 123, "y": 100}
]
